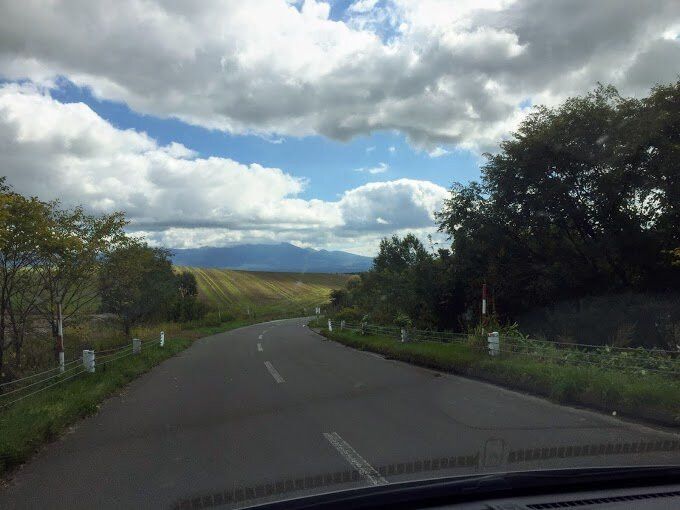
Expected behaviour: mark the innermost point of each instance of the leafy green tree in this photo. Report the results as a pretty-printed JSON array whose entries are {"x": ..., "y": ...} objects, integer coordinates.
[
  {"x": 580, "y": 201},
  {"x": 70, "y": 259},
  {"x": 137, "y": 283},
  {"x": 187, "y": 306},
  {"x": 24, "y": 228}
]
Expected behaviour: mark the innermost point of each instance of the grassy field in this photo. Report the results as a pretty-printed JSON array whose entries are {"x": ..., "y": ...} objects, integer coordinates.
[
  {"x": 652, "y": 398},
  {"x": 264, "y": 292}
]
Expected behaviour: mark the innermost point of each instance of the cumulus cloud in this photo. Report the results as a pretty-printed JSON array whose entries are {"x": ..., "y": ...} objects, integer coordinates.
[
  {"x": 66, "y": 151},
  {"x": 441, "y": 72}
]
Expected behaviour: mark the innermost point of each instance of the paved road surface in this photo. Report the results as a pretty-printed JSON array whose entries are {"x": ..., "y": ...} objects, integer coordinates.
[{"x": 275, "y": 407}]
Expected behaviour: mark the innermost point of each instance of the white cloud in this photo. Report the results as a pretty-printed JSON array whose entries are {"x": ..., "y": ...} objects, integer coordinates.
[
  {"x": 392, "y": 149},
  {"x": 174, "y": 197},
  {"x": 361, "y": 6},
  {"x": 438, "y": 152},
  {"x": 370, "y": 149},
  {"x": 380, "y": 168},
  {"x": 441, "y": 72}
]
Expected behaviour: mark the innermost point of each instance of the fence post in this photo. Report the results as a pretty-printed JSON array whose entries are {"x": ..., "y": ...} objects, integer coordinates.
[
  {"x": 404, "y": 335},
  {"x": 88, "y": 360},
  {"x": 342, "y": 325},
  {"x": 162, "y": 338},
  {"x": 136, "y": 346},
  {"x": 330, "y": 325},
  {"x": 494, "y": 344},
  {"x": 363, "y": 325}
]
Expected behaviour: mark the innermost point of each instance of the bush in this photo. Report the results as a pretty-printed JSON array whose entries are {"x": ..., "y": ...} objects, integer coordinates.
[
  {"x": 349, "y": 314},
  {"x": 403, "y": 321}
]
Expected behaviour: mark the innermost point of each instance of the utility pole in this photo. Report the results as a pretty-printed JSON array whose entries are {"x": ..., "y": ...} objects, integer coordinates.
[{"x": 60, "y": 337}]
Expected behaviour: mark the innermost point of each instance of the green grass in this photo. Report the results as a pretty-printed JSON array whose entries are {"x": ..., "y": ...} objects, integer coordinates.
[
  {"x": 28, "y": 424},
  {"x": 651, "y": 398},
  {"x": 264, "y": 292}
]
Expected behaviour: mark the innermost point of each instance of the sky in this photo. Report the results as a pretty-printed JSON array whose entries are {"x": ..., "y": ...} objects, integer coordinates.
[{"x": 325, "y": 124}]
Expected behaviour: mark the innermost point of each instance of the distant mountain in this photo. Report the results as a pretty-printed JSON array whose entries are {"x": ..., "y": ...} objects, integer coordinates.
[{"x": 273, "y": 257}]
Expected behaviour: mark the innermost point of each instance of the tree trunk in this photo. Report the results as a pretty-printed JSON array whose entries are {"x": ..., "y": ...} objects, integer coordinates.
[{"x": 17, "y": 352}]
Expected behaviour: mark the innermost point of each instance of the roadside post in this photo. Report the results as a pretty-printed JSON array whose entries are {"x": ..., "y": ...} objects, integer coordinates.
[
  {"x": 60, "y": 337},
  {"x": 494, "y": 344},
  {"x": 162, "y": 338},
  {"x": 404, "y": 335},
  {"x": 88, "y": 360},
  {"x": 136, "y": 346},
  {"x": 342, "y": 325},
  {"x": 330, "y": 325}
]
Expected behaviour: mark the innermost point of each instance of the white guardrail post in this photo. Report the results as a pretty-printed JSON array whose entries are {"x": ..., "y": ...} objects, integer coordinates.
[
  {"x": 330, "y": 325},
  {"x": 494, "y": 344},
  {"x": 88, "y": 360},
  {"x": 404, "y": 335},
  {"x": 136, "y": 346},
  {"x": 342, "y": 325},
  {"x": 162, "y": 338}
]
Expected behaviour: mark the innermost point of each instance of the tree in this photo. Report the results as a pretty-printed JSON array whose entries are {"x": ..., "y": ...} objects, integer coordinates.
[
  {"x": 24, "y": 229},
  {"x": 137, "y": 282},
  {"x": 582, "y": 200},
  {"x": 186, "y": 306},
  {"x": 69, "y": 261}
]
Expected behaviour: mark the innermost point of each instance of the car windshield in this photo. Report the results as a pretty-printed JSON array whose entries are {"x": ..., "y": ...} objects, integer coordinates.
[{"x": 252, "y": 251}]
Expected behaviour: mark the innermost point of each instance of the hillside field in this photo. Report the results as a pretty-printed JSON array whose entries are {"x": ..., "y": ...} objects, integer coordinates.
[{"x": 236, "y": 291}]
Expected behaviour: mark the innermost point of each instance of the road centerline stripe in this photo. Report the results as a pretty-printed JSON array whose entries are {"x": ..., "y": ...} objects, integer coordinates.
[
  {"x": 259, "y": 347},
  {"x": 277, "y": 377},
  {"x": 357, "y": 461},
  {"x": 259, "y": 337}
]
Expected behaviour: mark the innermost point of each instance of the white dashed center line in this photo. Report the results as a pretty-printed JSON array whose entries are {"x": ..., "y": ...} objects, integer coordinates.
[
  {"x": 277, "y": 377},
  {"x": 259, "y": 337},
  {"x": 357, "y": 461},
  {"x": 259, "y": 347}
]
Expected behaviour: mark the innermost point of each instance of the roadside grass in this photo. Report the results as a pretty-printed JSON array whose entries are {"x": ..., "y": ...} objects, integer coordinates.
[
  {"x": 652, "y": 398},
  {"x": 28, "y": 424}
]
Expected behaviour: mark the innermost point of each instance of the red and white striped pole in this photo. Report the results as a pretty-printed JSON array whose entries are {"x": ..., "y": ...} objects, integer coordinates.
[
  {"x": 483, "y": 301},
  {"x": 60, "y": 337}
]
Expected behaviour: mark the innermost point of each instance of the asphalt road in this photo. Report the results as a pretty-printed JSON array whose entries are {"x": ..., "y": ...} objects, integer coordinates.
[{"x": 275, "y": 408}]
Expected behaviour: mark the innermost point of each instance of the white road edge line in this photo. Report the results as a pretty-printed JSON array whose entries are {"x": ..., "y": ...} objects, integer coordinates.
[
  {"x": 277, "y": 377},
  {"x": 259, "y": 347},
  {"x": 357, "y": 461}
]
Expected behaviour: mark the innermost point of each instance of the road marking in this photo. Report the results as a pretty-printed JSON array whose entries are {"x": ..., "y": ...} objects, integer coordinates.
[
  {"x": 277, "y": 377},
  {"x": 259, "y": 337},
  {"x": 259, "y": 347},
  {"x": 357, "y": 461}
]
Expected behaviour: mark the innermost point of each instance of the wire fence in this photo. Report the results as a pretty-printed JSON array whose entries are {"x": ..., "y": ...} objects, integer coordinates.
[
  {"x": 633, "y": 359},
  {"x": 17, "y": 390}
]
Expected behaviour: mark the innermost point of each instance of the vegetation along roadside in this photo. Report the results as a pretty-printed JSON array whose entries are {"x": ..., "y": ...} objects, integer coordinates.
[{"x": 654, "y": 398}]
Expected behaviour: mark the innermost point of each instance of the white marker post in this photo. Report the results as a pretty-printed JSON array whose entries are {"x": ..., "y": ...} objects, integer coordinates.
[
  {"x": 404, "y": 335},
  {"x": 136, "y": 346},
  {"x": 494, "y": 344},
  {"x": 342, "y": 325},
  {"x": 162, "y": 338},
  {"x": 88, "y": 360},
  {"x": 330, "y": 325}
]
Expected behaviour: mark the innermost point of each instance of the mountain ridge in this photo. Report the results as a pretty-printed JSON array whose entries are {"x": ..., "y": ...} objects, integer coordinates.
[{"x": 282, "y": 257}]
